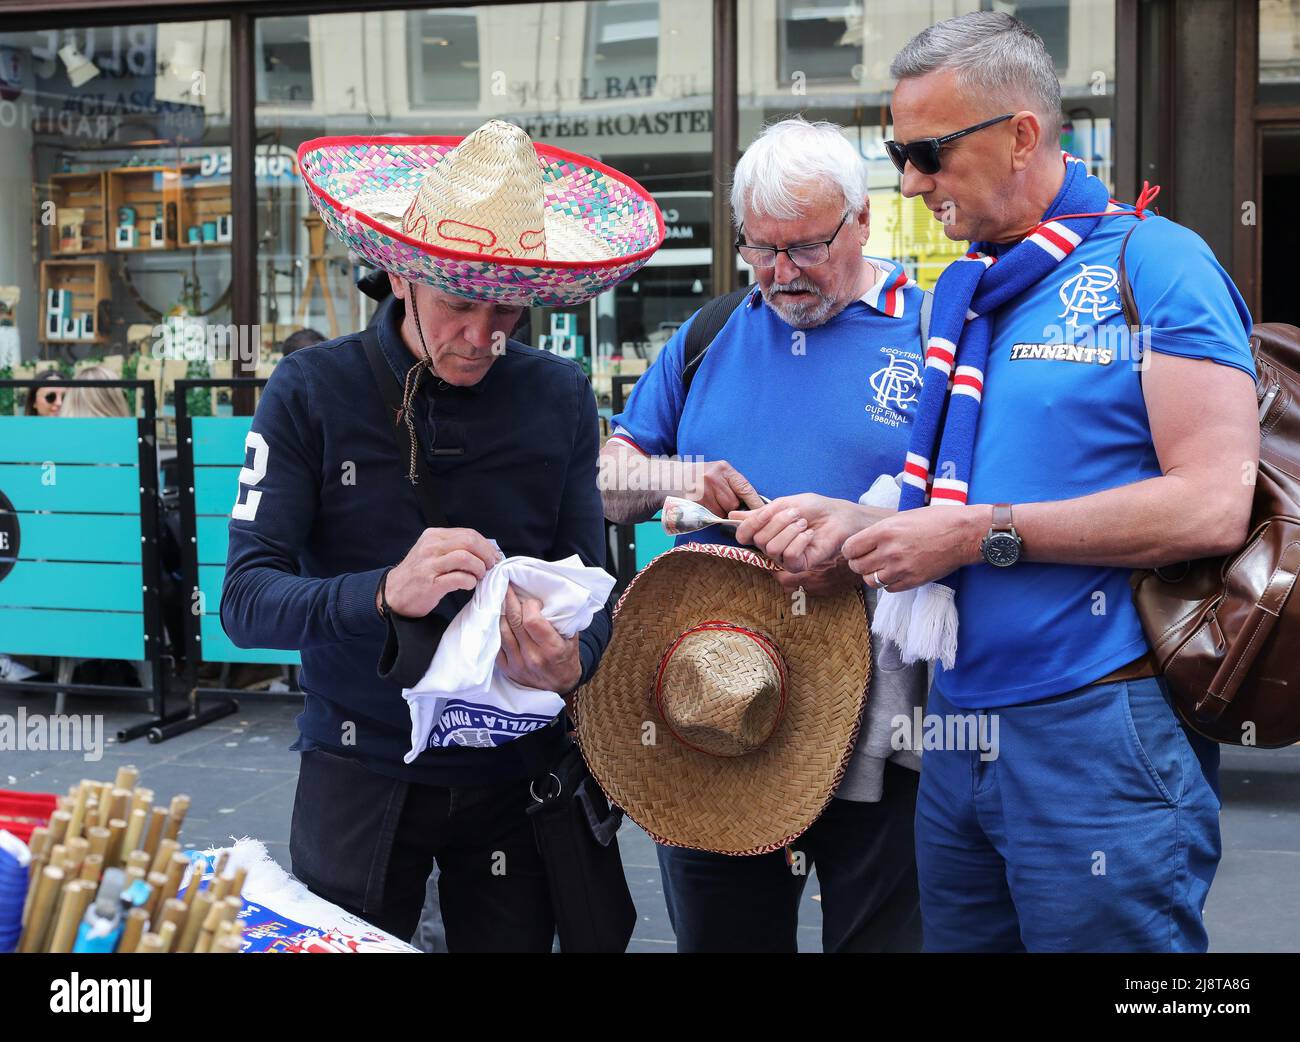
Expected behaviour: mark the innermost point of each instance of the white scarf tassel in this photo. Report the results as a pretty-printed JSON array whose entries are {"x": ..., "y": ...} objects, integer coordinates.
[
  {"x": 892, "y": 616},
  {"x": 932, "y": 631},
  {"x": 921, "y": 622}
]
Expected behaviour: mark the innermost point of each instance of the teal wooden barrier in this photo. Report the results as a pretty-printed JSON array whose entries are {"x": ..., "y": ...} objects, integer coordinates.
[
  {"x": 218, "y": 454},
  {"x": 74, "y": 587},
  {"x": 651, "y": 541}
]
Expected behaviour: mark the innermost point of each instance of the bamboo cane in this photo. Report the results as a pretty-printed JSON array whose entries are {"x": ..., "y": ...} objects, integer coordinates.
[
  {"x": 126, "y": 777},
  {"x": 77, "y": 896},
  {"x": 59, "y": 822},
  {"x": 134, "y": 831},
  {"x": 136, "y": 921},
  {"x": 162, "y": 858},
  {"x": 180, "y": 805},
  {"x": 198, "y": 912},
  {"x": 153, "y": 834},
  {"x": 92, "y": 867},
  {"x": 78, "y": 819},
  {"x": 38, "y": 923},
  {"x": 150, "y": 944}
]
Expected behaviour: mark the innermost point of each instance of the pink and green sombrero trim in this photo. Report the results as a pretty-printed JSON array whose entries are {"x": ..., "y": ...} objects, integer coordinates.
[{"x": 611, "y": 206}]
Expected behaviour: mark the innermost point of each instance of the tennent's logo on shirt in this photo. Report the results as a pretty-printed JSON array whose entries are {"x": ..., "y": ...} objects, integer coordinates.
[
  {"x": 896, "y": 385},
  {"x": 1063, "y": 353},
  {"x": 1088, "y": 295}
]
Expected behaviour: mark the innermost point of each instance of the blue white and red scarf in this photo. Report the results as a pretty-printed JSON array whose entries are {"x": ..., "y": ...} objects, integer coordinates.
[{"x": 923, "y": 622}]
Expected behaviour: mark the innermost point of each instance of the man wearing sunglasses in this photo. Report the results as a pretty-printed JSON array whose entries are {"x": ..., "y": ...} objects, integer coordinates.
[
  {"x": 809, "y": 386},
  {"x": 1070, "y": 453}
]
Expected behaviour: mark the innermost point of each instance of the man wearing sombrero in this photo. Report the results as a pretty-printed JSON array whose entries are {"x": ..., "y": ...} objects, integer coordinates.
[{"x": 360, "y": 529}]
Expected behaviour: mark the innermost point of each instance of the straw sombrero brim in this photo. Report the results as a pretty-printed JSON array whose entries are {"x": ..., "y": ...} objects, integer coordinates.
[
  {"x": 601, "y": 226},
  {"x": 748, "y": 804}
]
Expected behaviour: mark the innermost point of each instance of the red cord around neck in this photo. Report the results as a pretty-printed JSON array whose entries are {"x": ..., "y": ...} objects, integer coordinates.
[{"x": 1144, "y": 200}]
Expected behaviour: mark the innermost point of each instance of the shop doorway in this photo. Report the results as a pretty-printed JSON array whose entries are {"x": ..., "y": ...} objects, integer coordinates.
[{"x": 1279, "y": 218}]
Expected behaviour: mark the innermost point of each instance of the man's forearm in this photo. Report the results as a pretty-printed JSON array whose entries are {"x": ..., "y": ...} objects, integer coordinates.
[
  {"x": 633, "y": 486},
  {"x": 625, "y": 507},
  {"x": 1147, "y": 524},
  {"x": 266, "y": 607}
]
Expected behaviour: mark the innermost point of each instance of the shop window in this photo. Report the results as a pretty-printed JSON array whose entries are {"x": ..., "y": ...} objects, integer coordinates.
[
  {"x": 832, "y": 63},
  {"x": 622, "y": 43},
  {"x": 1279, "y": 52},
  {"x": 283, "y": 61},
  {"x": 1050, "y": 19},
  {"x": 821, "y": 40},
  {"x": 115, "y": 189},
  {"x": 444, "y": 58},
  {"x": 644, "y": 107}
]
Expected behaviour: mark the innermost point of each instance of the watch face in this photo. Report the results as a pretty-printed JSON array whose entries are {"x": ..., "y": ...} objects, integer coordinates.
[{"x": 1001, "y": 549}]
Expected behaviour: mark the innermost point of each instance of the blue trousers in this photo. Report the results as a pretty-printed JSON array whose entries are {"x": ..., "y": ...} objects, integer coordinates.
[
  {"x": 866, "y": 868},
  {"x": 1095, "y": 827}
]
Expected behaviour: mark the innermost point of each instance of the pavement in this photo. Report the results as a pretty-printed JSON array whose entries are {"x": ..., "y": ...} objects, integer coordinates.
[{"x": 241, "y": 777}]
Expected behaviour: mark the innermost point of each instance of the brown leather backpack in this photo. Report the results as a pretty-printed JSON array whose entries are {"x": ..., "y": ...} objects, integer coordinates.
[{"x": 1225, "y": 631}]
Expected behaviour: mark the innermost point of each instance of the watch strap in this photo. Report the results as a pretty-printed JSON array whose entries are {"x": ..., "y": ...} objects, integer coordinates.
[{"x": 1002, "y": 517}]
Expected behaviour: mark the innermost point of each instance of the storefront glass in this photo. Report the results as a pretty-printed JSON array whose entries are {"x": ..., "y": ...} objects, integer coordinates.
[
  {"x": 626, "y": 81},
  {"x": 829, "y": 59},
  {"x": 115, "y": 213},
  {"x": 116, "y": 165},
  {"x": 1279, "y": 52}
]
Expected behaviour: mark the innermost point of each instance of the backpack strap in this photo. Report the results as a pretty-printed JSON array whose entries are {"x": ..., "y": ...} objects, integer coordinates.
[
  {"x": 713, "y": 316},
  {"x": 705, "y": 327},
  {"x": 1126, "y": 298}
]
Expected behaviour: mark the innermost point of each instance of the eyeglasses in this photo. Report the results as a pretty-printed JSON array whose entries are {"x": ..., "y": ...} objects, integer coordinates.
[
  {"x": 805, "y": 255},
  {"x": 50, "y": 397},
  {"x": 923, "y": 154}
]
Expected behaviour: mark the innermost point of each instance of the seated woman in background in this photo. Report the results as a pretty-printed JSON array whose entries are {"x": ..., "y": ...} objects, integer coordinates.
[
  {"x": 95, "y": 401},
  {"x": 46, "y": 401}
]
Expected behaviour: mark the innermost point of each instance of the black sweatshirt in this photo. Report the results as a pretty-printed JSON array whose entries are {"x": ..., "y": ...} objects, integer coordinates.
[{"x": 330, "y": 508}]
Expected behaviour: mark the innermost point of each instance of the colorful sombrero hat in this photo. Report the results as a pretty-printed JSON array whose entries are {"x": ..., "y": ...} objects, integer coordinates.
[
  {"x": 719, "y": 718},
  {"x": 490, "y": 216}
]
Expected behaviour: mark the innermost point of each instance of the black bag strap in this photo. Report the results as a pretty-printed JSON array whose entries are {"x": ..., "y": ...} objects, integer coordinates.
[
  {"x": 1126, "y": 298},
  {"x": 705, "y": 328},
  {"x": 391, "y": 391}
]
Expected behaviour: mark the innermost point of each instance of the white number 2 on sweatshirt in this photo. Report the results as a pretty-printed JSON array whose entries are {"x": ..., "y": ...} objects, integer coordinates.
[{"x": 247, "y": 510}]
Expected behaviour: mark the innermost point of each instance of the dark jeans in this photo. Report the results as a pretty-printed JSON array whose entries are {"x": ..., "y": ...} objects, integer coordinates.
[
  {"x": 866, "y": 866},
  {"x": 1094, "y": 829},
  {"x": 368, "y": 843}
]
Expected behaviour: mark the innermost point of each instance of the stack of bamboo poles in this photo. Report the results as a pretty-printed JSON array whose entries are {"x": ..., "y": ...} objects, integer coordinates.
[{"x": 102, "y": 825}]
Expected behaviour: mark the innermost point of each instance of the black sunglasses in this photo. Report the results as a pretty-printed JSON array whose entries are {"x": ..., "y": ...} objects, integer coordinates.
[
  {"x": 50, "y": 397},
  {"x": 924, "y": 153}
]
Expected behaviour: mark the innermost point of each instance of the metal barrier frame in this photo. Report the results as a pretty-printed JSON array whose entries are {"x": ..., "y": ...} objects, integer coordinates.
[
  {"x": 151, "y": 604},
  {"x": 226, "y": 697}
]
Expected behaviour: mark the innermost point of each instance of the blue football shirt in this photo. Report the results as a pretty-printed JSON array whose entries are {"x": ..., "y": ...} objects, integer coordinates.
[
  {"x": 823, "y": 410},
  {"x": 1063, "y": 416}
]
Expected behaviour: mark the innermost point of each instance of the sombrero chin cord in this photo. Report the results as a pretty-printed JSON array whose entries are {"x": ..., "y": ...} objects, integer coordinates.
[{"x": 410, "y": 387}]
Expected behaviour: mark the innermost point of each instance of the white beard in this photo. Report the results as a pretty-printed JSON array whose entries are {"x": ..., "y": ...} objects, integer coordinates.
[{"x": 801, "y": 315}]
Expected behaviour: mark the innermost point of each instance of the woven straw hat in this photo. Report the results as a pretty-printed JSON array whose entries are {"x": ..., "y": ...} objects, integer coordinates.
[
  {"x": 719, "y": 719},
  {"x": 490, "y": 216}
]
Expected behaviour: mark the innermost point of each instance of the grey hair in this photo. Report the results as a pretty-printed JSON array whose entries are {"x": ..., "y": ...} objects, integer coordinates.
[
  {"x": 994, "y": 55},
  {"x": 786, "y": 160}
]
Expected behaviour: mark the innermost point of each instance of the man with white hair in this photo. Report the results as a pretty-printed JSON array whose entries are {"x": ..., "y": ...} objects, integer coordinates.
[
  {"x": 810, "y": 385},
  {"x": 1044, "y": 466}
]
